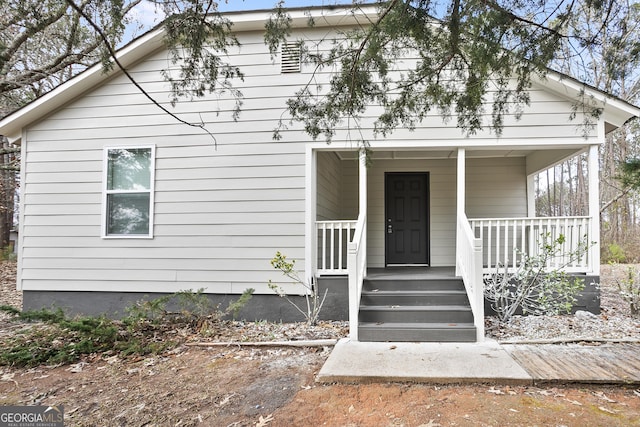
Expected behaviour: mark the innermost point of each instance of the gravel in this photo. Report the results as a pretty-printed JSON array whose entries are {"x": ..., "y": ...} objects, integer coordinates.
[{"x": 613, "y": 323}]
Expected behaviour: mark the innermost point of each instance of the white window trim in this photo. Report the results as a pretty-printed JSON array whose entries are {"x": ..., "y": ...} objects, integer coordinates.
[{"x": 105, "y": 167}]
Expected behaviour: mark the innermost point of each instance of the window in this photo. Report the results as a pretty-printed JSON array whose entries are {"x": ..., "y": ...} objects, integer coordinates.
[{"x": 128, "y": 191}]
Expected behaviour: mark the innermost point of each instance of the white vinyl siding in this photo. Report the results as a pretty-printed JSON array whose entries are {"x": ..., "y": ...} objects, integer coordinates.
[
  {"x": 329, "y": 186},
  {"x": 496, "y": 188},
  {"x": 223, "y": 208}
]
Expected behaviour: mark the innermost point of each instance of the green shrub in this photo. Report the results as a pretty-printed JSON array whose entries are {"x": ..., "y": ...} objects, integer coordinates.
[
  {"x": 59, "y": 339},
  {"x": 630, "y": 290},
  {"x": 614, "y": 253},
  {"x": 533, "y": 287}
]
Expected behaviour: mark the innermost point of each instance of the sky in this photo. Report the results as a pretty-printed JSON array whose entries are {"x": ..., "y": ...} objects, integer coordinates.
[{"x": 148, "y": 16}]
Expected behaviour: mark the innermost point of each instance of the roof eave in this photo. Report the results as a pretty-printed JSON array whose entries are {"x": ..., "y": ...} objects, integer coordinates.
[
  {"x": 616, "y": 111},
  {"x": 11, "y": 126}
]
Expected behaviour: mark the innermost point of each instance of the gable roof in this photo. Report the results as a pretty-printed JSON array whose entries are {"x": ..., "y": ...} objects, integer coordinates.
[{"x": 616, "y": 111}]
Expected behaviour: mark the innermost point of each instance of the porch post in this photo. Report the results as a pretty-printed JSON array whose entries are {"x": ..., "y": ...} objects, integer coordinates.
[
  {"x": 594, "y": 208},
  {"x": 531, "y": 196},
  {"x": 310, "y": 246},
  {"x": 362, "y": 199},
  {"x": 460, "y": 195}
]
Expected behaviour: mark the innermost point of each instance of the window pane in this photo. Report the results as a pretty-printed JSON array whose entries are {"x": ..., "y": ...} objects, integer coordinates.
[
  {"x": 129, "y": 169},
  {"x": 128, "y": 213}
]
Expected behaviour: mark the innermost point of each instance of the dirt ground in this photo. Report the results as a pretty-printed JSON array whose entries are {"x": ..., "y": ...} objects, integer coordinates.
[
  {"x": 249, "y": 386},
  {"x": 275, "y": 387}
]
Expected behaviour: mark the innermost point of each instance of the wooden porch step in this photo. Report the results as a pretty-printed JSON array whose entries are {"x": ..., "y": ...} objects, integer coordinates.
[
  {"x": 416, "y": 313},
  {"x": 409, "y": 297},
  {"x": 439, "y": 284},
  {"x": 419, "y": 332},
  {"x": 404, "y": 307}
]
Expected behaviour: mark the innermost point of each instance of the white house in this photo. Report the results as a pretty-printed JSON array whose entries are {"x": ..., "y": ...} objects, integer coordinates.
[{"x": 119, "y": 200}]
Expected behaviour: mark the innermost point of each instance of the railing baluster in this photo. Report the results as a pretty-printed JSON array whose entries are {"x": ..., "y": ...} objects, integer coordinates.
[
  {"x": 333, "y": 239},
  {"x": 514, "y": 245},
  {"x": 340, "y": 230},
  {"x": 324, "y": 246},
  {"x": 523, "y": 241},
  {"x": 489, "y": 245},
  {"x": 498, "y": 245},
  {"x": 498, "y": 242}
]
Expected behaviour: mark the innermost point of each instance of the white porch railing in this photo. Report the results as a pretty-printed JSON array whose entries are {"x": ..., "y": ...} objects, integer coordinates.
[
  {"x": 469, "y": 267},
  {"x": 333, "y": 238},
  {"x": 357, "y": 263},
  {"x": 505, "y": 240}
]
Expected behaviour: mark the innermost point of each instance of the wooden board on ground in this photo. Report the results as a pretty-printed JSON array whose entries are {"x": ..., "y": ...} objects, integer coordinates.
[{"x": 610, "y": 363}]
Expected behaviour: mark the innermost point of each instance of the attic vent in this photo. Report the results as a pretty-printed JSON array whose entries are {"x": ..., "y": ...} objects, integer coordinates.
[{"x": 290, "y": 58}]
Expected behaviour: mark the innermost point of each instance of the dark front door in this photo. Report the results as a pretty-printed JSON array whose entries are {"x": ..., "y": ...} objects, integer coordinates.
[{"x": 407, "y": 218}]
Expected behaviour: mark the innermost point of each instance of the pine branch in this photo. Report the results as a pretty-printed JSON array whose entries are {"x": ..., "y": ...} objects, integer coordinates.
[{"x": 115, "y": 59}]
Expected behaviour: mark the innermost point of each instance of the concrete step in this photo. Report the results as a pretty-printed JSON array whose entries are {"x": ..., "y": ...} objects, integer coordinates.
[
  {"x": 403, "y": 297},
  {"x": 418, "y": 332},
  {"x": 416, "y": 313},
  {"x": 442, "y": 284}
]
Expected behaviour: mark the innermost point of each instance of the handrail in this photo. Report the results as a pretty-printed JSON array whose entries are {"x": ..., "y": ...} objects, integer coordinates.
[
  {"x": 505, "y": 240},
  {"x": 469, "y": 266},
  {"x": 333, "y": 238},
  {"x": 357, "y": 266}
]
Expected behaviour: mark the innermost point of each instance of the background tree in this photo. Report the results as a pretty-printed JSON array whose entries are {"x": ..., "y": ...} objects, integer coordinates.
[
  {"x": 42, "y": 44},
  {"x": 613, "y": 65}
]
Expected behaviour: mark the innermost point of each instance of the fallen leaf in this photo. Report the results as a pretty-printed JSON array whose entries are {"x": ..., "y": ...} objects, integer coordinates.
[
  {"x": 636, "y": 392},
  {"x": 602, "y": 396},
  {"x": 608, "y": 411},
  {"x": 574, "y": 402},
  {"x": 393, "y": 347},
  {"x": 76, "y": 368},
  {"x": 351, "y": 409},
  {"x": 432, "y": 423},
  {"x": 495, "y": 391},
  {"x": 226, "y": 399},
  {"x": 513, "y": 410},
  {"x": 262, "y": 421},
  {"x": 8, "y": 376}
]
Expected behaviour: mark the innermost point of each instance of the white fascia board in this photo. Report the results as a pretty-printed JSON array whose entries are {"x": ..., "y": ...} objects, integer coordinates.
[
  {"x": 324, "y": 16},
  {"x": 12, "y": 125},
  {"x": 616, "y": 111}
]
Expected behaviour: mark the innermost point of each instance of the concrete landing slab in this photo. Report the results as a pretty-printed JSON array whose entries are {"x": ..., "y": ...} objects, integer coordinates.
[{"x": 441, "y": 363}]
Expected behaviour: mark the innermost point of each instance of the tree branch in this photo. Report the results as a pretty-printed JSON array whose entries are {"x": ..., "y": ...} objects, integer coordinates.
[
  {"x": 115, "y": 59},
  {"x": 615, "y": 199}
]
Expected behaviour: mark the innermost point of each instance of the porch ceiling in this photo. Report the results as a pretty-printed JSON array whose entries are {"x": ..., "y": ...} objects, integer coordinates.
[{"x": 538, "y": 158}]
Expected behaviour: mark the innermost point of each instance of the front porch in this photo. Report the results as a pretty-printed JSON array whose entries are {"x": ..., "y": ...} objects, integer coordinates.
[{"x": 464, "y": 237}]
